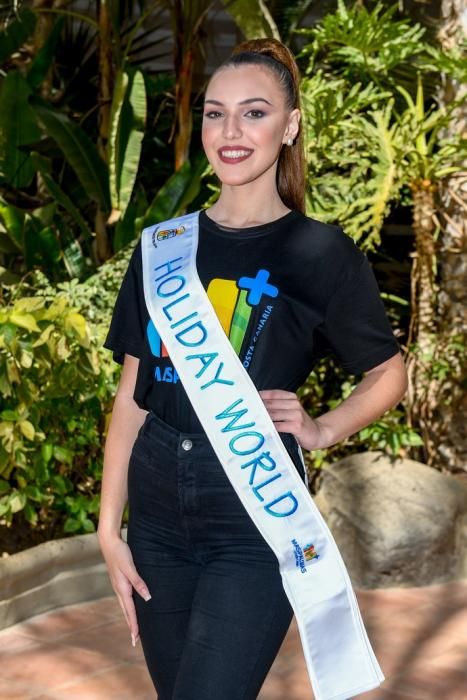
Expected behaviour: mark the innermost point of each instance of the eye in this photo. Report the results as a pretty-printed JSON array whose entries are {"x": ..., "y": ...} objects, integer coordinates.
[
  {"x": 258, "y": 112},
  {"x": 210, "y": 114}
]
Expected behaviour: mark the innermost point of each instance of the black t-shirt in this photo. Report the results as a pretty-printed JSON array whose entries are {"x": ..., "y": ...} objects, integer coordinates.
[{"x": 287, "y": 293}]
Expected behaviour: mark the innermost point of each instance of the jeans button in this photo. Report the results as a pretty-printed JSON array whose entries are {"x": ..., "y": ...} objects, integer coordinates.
[{"x": 187, "y": 444}]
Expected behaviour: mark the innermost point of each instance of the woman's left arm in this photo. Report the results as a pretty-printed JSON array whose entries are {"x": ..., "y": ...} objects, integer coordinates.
[{"x": 381, "y": 388}]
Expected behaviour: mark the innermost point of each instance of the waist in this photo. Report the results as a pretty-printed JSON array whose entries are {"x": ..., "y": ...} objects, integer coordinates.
[{"x": 172, "y": 437}]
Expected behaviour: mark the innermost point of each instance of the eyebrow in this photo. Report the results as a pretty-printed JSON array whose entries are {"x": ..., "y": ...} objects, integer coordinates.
[{"x": 243, "y": 102}]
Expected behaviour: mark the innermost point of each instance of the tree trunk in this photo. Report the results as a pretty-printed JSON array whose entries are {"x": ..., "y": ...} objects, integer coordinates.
[
  {"x": 420, "y": 398},
  {"x": 183, "y": 102},
  {"x": 450, "y": 418},
  {"x": 101, "y": 244},
  {"x": 187, "y": 21}
]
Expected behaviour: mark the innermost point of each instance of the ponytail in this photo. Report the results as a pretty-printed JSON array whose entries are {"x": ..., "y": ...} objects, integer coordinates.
[{"x": 291, "y": 165}]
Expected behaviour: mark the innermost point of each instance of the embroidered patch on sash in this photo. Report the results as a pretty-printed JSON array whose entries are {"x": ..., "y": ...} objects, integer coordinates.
[
  {"x": 302, "y": 554},
  {"x": 170, "y": 233},
  {"x": 309, "y": 552}
]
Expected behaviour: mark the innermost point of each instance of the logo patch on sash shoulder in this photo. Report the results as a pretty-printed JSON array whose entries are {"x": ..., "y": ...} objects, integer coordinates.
[
  {"x": 303, "y": 554},
  {"x": 170, "y": 233}
]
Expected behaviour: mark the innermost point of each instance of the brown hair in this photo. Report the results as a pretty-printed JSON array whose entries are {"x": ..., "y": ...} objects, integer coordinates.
[{"x": 276, "y": 56}]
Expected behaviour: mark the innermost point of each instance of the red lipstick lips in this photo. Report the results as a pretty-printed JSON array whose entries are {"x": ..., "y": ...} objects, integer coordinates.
[{"x": 234, "y": 154}]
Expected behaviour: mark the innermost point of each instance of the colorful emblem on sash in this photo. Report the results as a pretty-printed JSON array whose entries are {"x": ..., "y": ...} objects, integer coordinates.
[
  {"x": 170, "y": 233},
  {"x": 303, "y": 554},
  {"x": 309, "y": 552}
]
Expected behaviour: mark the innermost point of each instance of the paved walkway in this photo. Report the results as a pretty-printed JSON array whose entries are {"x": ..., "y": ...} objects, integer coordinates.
[{"x": 84, "y": 652}]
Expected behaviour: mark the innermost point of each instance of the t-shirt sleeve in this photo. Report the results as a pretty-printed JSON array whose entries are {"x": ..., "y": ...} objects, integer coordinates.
[
  {"x": 356, "y": 326},
  {"x": 126, "y": 331}
]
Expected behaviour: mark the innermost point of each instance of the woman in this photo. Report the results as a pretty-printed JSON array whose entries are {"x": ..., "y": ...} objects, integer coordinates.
[{"x": 196, "y": 581}]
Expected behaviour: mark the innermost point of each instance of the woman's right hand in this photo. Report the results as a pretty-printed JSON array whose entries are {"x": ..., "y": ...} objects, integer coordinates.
[{"x": 123, "y": 577}]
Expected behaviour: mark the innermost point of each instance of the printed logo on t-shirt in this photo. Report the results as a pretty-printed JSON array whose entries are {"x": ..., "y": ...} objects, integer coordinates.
[{"x": 233, "y": 302}]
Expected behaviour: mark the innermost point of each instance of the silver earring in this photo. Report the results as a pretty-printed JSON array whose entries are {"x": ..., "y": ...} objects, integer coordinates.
[{"x": 289, "y": 142}]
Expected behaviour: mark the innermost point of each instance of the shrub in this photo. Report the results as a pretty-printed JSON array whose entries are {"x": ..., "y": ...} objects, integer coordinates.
[{"x": 57, "y": 385}]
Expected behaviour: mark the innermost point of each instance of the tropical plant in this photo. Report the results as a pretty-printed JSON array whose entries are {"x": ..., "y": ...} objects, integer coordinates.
[
  {"x": 370, "y": 143},
  {"x": 364, "y": 45},
  {"x": 81, "y": 171}
]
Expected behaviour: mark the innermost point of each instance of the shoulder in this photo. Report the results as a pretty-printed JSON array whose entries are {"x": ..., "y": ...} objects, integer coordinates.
[
  {"x": 325, "y": 247},
  {"x": 136, "y": 255}
]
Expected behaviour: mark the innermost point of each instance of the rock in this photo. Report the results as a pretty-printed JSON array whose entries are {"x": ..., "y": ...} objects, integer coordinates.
[
  {"x": 52, "y": 574},
  {"x": 397, "y": 522}
]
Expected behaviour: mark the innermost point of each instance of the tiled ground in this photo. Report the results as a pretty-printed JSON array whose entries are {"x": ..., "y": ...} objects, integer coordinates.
[{"x": 83, "y": 651}]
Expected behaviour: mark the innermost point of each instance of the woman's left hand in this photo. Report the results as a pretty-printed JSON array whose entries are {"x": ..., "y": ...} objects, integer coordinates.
[{"x": 289, "y": 416}]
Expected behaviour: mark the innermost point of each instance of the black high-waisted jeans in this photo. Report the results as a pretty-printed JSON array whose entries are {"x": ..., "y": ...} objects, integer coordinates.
[{"x": 218, "y": 612}]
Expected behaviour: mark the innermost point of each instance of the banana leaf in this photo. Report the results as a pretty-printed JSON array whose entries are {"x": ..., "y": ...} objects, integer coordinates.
[
  {"x": 128, "y": 121},
  {"x": 12, "y": 219},
  {"x": 130, "y": 164},
  {"x": 40, "y": 244},
  {"x": 59, "y": 195},
  {"x": 180, "y": 189},
  {"x": 78, "y": 150},
  {"x": 115, "y": 136},
  {"x": 17, "y": 128},
  {"x": 73, "y": 256}
]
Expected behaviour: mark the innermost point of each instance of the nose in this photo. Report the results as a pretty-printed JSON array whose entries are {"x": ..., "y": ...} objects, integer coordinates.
[{"x": 231, "y": 128}]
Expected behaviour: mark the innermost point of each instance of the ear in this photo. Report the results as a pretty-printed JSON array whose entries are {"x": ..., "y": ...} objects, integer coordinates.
[{"x": 293, "y": 124}]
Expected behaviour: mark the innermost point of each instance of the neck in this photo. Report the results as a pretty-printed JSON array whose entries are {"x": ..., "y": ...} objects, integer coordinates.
[{"x": 251, "y": 204}]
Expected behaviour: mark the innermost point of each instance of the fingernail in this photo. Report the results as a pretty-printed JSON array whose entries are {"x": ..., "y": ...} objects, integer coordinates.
[
  {"x": 147, "y": 596},
  {"x": 133, "y": 639}
]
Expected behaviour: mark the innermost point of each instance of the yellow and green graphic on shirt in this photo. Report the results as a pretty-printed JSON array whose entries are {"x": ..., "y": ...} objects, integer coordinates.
[
  {"x": 233, "y": 303},
  {"x": 232, "y": 309}
]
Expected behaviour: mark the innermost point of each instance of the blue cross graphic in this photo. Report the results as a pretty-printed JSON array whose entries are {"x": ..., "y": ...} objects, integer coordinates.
[{"x": 258, "y": 286}]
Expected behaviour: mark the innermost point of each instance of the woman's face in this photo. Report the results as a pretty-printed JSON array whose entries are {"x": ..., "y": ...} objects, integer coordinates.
[{"x": 245, "y": 123}]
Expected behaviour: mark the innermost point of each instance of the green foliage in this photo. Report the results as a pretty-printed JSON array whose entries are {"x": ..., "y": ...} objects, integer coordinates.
[
  {"x": 350, "y": 155},
  {"x": 252, "y": 17},
  {"x": 51, "y": 150},
  {"x": 15, "y": 34},
  {"x": 448, "y": 62},
  {"x": 57, "y": 385},
  {"x": 58, "y": 194},
  {"x": 370, "y": 133},
  {"x": 78, "y": 149},
  {"x": 358, "y": 44},
  {"x": 16, "y": 134},
  {"x": 128, "y": 121},
  {"x": 178, "y": 192},
  {"x": 425, "y": 152},
  {"x": 61, "y": 196}
]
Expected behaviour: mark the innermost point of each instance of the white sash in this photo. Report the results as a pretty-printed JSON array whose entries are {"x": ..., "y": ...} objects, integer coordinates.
[{"x": 338, "y": 654}]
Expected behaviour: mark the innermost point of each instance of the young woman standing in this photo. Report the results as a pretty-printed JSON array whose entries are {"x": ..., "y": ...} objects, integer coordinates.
[{"x": 196, "y": 581}]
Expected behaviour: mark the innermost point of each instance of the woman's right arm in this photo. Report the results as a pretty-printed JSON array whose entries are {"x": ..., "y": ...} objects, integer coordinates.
[{"x": 125, "y": 422}]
